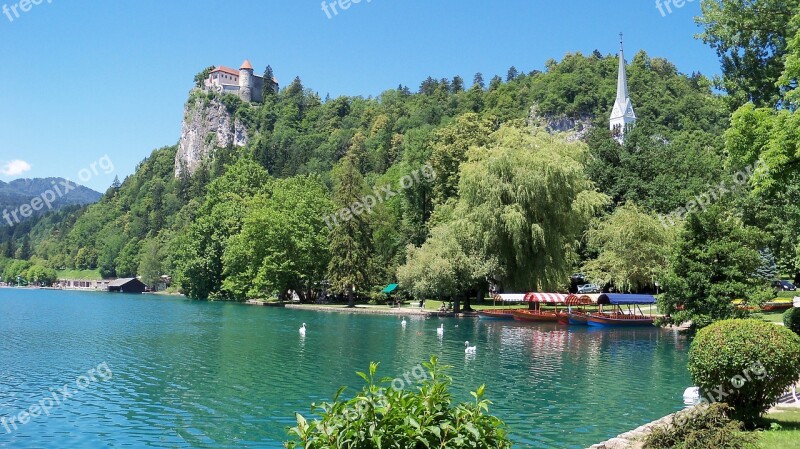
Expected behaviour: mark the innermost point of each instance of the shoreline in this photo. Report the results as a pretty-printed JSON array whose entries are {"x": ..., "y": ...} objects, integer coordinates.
[{"x": 411, "y": 311}]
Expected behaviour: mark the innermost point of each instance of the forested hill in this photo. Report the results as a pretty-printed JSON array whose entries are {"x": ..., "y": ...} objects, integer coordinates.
[
  {"x": 20, "y": 191},
  {"x": 205, "y": 230}
]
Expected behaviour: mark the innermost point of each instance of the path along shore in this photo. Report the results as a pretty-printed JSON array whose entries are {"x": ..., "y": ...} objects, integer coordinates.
[{"x": 362, "y": 309}]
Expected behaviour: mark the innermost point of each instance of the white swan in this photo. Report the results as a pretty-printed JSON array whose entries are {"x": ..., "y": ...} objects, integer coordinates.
[
  {"x": 403, "y": 323},
  {"x": 469, "y": 349},
  {"x": 440, "y": 330},
  {"x": 303, "y": 330}
]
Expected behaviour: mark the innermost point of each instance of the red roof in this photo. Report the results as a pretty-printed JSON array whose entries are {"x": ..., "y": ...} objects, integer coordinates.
[
  {"x": 246, "y": 65},
  {"x": 227, "y": 70}
]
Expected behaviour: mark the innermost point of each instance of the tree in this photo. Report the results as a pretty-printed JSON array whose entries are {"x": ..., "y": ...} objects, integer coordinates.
[
  {"x": 350, "y": 239},
  {"x": 24, "y": 251},
  {"x": 200, "y": 78},
  {"x": 523, "y": 200},
  {"x": 632, "y": 249},
  {"x": 283, "y": 244},
  {"x": 478, "y": 81},
  {"x": 450, "y": 145},
  {"x": 712, "y": 265},
  {"x": 750, "y": 38},
  {"x": 512, "y": 73},
  {"x": 495, "y": 82},
  {"x": 457, "y": 86},
  {"x": 445, "y": 266},
  {"x": 150, "y": 263},
  {"x": 270, "y": 86}
]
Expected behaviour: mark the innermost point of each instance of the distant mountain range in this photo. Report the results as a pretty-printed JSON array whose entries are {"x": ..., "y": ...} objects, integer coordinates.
[{"x": 57, "y": 191}]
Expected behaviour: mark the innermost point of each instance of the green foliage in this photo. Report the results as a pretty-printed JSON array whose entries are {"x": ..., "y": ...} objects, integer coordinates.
[
  {"x": 283, "y": 244},
  {"x": 746, "y": 363},
  {"x": 791, "y": 319},
  {"x": 632, "y": 249},
  {"x": 705, "y": 427},
  {"x": 712, "y": 265},
  {"x": 351, "y": 236},
  {"x": 750, "y": 38},
  {"x": 381, "y": 416},
  {"x": 200, "y": 78}
]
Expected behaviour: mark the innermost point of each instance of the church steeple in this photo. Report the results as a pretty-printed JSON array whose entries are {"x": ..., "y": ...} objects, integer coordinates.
[{"x": 622, "y": 115}]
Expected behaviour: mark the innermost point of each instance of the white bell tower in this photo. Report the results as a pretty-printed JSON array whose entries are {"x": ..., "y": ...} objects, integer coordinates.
[{"x": 622, "y": 116}]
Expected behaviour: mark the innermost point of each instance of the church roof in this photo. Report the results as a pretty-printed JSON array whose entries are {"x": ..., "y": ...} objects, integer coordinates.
[
  {"x": 622, "y": 77},
  {"x": 227, "y": 70},
  {"x": 246, "y": 65}
]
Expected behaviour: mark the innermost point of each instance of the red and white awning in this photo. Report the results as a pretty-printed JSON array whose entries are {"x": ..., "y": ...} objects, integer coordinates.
[{"x": 552, "y": 298}]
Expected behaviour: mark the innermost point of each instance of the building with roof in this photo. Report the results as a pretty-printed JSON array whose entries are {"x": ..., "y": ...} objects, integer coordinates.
[
  {"x": 622, "y": 116},
  {"x": 127, "y": 285},
  {"x": 243, "y": 82}
]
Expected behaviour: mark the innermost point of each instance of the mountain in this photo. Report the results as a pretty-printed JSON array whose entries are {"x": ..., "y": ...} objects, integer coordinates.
[{"x": 22, "y": 197}]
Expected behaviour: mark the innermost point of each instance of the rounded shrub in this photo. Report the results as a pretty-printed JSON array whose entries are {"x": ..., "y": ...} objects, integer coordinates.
[
  {"x": 791, "y": 319},
  {"x": 747, "y": 364}
]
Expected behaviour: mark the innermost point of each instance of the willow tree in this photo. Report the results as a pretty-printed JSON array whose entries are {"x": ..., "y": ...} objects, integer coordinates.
[
  {"x": 524, "y": 201},
  {"x": 632, "y": 249}
]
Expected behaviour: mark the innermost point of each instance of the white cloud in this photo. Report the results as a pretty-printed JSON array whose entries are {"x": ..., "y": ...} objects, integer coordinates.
[{"x": 15, "y": 168}]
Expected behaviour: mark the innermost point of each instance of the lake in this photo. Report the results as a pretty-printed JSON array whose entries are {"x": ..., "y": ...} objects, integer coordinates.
[{"x": 161, "y": 372}]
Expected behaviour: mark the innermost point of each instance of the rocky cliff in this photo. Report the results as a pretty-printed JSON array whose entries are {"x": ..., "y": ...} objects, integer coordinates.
[{"x": 207, "y": 126}]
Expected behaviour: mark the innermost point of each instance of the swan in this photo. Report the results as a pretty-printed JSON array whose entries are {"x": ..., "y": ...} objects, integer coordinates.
[
  {"x": 440, "y": 330},
  {"x": 469, "y": 349},
  {"x": 303, "y": 330},
  {"x": 403, "y": 323}
]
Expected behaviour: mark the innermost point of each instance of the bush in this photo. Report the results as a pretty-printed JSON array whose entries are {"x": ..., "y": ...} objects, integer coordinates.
[
  {"x": 382, "y": 416},
  {"x": 791, "y": 319},
  {"x": 703, "y": 427},
  {"x": 745, "y": 363}
]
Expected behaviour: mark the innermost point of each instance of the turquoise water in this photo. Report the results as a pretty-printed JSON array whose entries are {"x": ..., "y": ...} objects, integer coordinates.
[{"x": 182, "y": 374}]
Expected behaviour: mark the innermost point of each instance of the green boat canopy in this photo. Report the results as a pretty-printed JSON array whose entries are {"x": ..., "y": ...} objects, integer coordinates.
[{"x": 389, "y": 288}]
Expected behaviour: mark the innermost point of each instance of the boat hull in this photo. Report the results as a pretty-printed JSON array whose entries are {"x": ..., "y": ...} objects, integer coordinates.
[
  {"x": 577, "y": 319},
  {"x": 563, "y": 318},
  {"x": 535, "y": 317},
  {"x": 611, "y": 321},
  {"x": 495, "y": 315}
]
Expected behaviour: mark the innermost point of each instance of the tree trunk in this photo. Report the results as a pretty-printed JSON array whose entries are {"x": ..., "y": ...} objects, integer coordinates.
[
  {"x": 467, "y": 306},
  {"x": 351, "y": 299},
  {"x": 457, "y": 304}
]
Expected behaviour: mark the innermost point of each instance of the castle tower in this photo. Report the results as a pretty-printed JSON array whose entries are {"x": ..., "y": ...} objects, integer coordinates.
[
  {"x": 622, "y": 115},
  {"x": 246, "y": 81}
]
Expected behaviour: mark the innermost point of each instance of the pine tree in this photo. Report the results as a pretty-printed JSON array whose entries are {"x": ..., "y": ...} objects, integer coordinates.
[
  {"x": 457, "y": 84},
  {"x": 478, "y": 80},
  {"x": 350, "y": 239},
  {"x": 269, "y": 83},
  {"x": 512, "y": 74}
]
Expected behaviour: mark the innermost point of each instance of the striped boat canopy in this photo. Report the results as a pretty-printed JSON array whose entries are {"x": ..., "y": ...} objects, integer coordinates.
[
  {"x": 578, "y": 300},
  {"x": 553, "y": 298},
  {"x": 510, "y": 297}
]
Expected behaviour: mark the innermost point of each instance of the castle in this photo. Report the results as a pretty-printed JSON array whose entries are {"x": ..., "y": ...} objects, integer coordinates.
[
  {"x": 622, "y": 116},
  {"x": 243, "y": 82}
]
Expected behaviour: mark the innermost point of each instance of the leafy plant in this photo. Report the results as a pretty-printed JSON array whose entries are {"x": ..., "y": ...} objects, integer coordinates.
[
  {"x": 745, "y": 363},
  {"x": 704, "y": 427},
  {"x": 384, "y": 417},
  {"x": 791, "y": 319}
]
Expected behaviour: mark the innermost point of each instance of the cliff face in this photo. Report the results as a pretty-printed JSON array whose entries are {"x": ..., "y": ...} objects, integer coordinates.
[{"x": 207, "y": 126}]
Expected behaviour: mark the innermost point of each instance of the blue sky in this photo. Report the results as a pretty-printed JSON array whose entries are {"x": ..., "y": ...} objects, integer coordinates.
[{"x": 89, "y": 78}]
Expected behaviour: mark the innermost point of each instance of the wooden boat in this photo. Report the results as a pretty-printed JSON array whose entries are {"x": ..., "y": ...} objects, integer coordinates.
[
  {"x": 502, "y": 314},
  {"x": 633, "y": 317},
  {"x": 618, "y": 319},
  {"x": 578, "y": 318},
  {"x": 576, "y": 310},
  {"x": 537, "y": 316}
]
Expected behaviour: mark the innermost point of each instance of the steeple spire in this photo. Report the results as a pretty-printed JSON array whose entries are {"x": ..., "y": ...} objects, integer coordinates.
[
  {"x": 622, "y": 115},
  {"x": 622, "y": 76}
]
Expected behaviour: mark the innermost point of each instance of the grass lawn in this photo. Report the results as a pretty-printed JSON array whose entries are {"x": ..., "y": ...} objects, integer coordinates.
[
  {"x": 774, "y": 317},
  {"x": 86, "y": 275},
  {"x": 789, "y": 295},
  {"x": 788, "y": 437}
]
